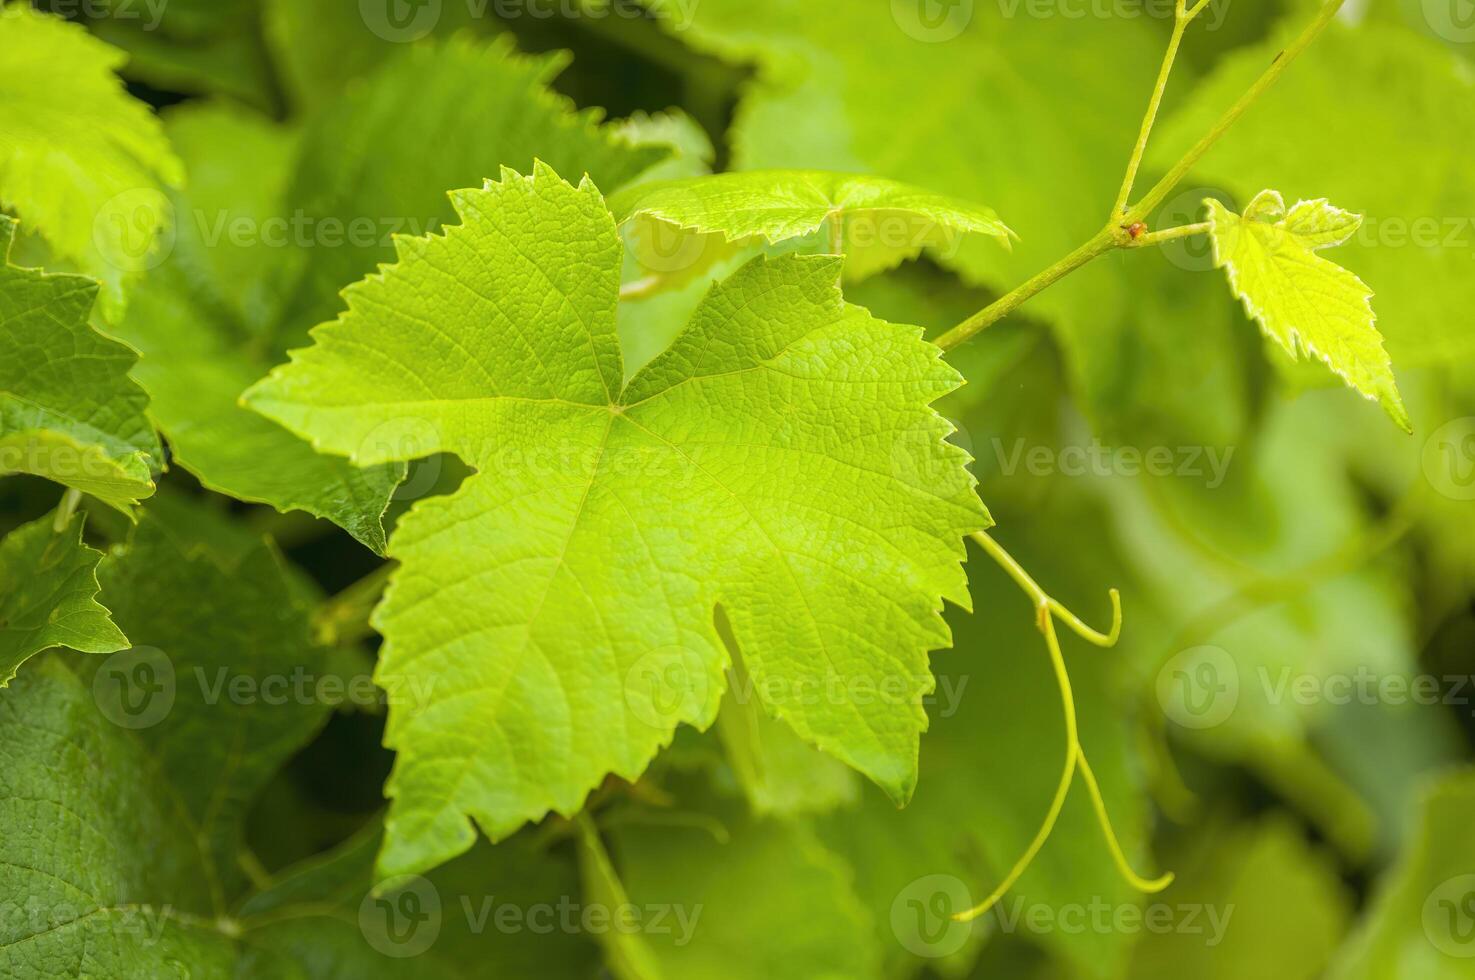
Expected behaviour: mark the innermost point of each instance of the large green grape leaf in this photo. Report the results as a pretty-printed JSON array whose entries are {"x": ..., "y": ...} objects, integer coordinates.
[
  {"x": 876, "y": 223},
  {"x": 48, "y": 595},
  {"x": 365, "y": 172},
  {"x": 198, "y": 317},
  {"x": 1394, "y": 149},
  {"x": 80, "y": 161},
  {"x": 1305, "y": 303},
  {"x": 563, "y": 598},
  {"x": 1422, "y": 921},
  {"x": 79, "y": 793},
  {"x": 68, "y": 410}
]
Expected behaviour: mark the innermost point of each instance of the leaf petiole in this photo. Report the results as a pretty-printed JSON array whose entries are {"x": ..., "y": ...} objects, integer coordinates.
[{"x": 1168, "y": 235}]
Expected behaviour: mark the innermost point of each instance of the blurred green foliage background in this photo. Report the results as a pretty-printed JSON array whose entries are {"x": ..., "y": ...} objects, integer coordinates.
[{"x": 1287, "y": 722}]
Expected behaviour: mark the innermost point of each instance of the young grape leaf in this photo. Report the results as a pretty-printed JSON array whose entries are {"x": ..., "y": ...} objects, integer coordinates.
[
  {"x": 48, "y": 595},
  {"x": 1395, "y": 117},
  {"x": 68, "y": 411},
  {"x": 197, "y": 320},
  {"x": 1420, "y": 922},
  {"x": 81, "y": 162},
  {"x": 876, "y": 223},
  {"x": 1308, "y": 305},
  {"x": 563, "y": 598}
]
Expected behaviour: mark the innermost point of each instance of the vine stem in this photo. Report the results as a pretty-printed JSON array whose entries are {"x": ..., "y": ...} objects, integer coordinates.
[
  {"x": 1104, "y": 241},
  {"x": 1116, "y": 233},
  {"x": 1181, "y": 19},
  {"x": 1231, "y": 115},
  {"x": 1046, "y": 609}
]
